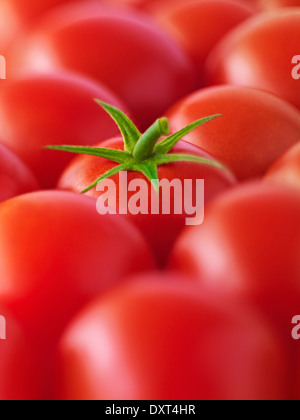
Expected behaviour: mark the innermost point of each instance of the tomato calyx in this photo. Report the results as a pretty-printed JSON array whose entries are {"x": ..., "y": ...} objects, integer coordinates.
[{"x": 142, "y": 152}]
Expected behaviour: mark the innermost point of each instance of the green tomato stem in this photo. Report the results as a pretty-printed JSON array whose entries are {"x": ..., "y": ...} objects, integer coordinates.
[
  {"x": 144, "y": 148},
  {"x": 142, "y": 153}
]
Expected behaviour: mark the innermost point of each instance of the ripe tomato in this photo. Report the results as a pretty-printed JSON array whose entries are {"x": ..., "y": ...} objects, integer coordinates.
[
  {"x": 18, "y": 372},
  {"x": 273, "y": 4},
  {"x": 131, "y": 56},
  {"x": 153, "y": 5},
  {"x": 160, "y": 339},
  {"x": 248, "y": 57},
  {"x": 161, "y": 230},
  {"x": 37, "y": 110},
  {"x": 15, "y": 15},
  {"x": 255, "y": 128},
  {"x": 286, "y": 170},
  {"x": 249, "y": 246},
  {"x": 32, "y": 8},
  {"x": 57, "y": 253},
  {"x": 198, "y": 25},
  {"x": 15, "y": 177}
]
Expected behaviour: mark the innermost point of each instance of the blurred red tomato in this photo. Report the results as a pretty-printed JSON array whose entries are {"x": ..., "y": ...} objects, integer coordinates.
[
  {"x": 15, "y": 177},
  {"x": 123, "y": 49},
  {"x": 273, "y": 4},
  {"x": 31, "y": 9},
  {"x": 197, "y": 25},
  {"x": 15, "y": 15},
  {"x": 254, "y": 130},
  {"x": 57, "y": 252},
  {"x": 249, "y": 248},
  {"x": 18, "y": 372},
  {"x": 161, "y": 230},
  {"x": 152, "y": 5},
  {"x": 259, "y": 53},
  {"x": 249, "y": 245},
  {"x": 286, "y": 170},
  {"x": 161, "y": 339},
  {"x": 59, "y": 108}
]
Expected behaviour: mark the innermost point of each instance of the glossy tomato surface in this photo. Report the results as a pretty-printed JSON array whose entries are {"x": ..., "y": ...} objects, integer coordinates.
[
  {"x": 57, "y": 253},
  {"x": 123, "y": 50},
  {"x": 249, "y": 245},
  {"x": 161, "y": 339},
  {"x": 286, "y": 170},
  {"x": 18, "y": 372},
  {"x": 249, "y": 248},
  {"x": 37, "y": 110},
  {"x": 259, "y": 54},
  {"x": 15, "y": 177},
  {"x": 273, "y": 4},
  {"x": 153, "y": 5},
  {"x": 32, "y": 8},
  {"x": 161, "y": 230},
  {"x": 254, "y": 130},
  {"x": 198, "y": 25},
  {"x": 16, "y": 15}
]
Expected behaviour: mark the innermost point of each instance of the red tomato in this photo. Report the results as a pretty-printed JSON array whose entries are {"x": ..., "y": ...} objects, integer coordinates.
[
  {"x": 254, "y": 130},
  {"x": 147, "y": 5},
  {"x": 124, "y": 50},
  {"x": 15, "y": 177},
  {"x": 37, "y": 110},
  {"x": 273, "y": 4},
  {"x": 286, "y": 170},
  {"x": 18, "y": 372},
  {"x": 15, "y": 15},
  {"x": 161, "y": 230},
  {"x": 153, "y": 5},
  {"x": 249, "y": 247},
  {"x": 57, "y": 253},
  {"x": 248, "y": 55},
  {"x": 161, "y": 339},
  {"x": 32, "y": 8},
  {"x": 197, "y": 25}
]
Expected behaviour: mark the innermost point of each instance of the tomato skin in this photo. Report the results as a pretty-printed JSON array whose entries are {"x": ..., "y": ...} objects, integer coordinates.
[
  {"x": 286, "y": 170},
  {"x": 143, "y": 66},
  {"x": 57, "y": 253},
  {"x": 247, "y": 57},
  {"x": 249, "y": 246},
  {"x": 254, "y": 130},
  {"x": 161, "y": 339},
  {"x": 38, "y": 110},
  {"x": 154, "y": 5},
  {"x": 18, "y": 372},
  {"x": 15, "y": 177},
  {"x": 274, "y": 4},
  {"x": 15, "y": 15},
  {"x": 160, "y": 230},
  {"x": 198, "y": 25},
  {"x": 33, "y": 8}
]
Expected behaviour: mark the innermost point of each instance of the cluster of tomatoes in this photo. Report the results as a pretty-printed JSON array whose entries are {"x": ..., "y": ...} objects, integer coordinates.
[{"x": 140, "y": 306}]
